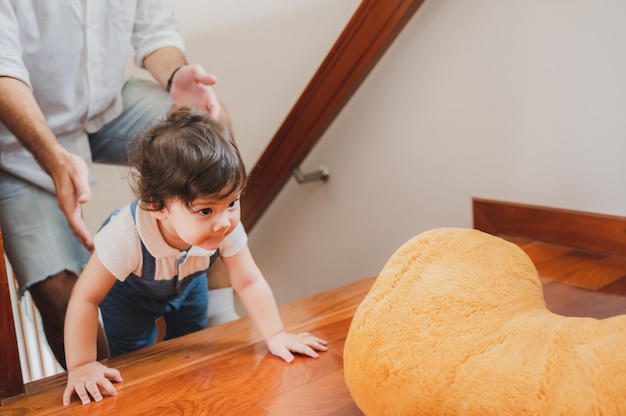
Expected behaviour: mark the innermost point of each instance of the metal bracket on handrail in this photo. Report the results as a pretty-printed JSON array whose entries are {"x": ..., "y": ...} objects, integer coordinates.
[{"x": 320, "y": 174}]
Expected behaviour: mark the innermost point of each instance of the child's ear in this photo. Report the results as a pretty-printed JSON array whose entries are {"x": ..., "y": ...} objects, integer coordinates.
[{"x": 160, "y": 214}]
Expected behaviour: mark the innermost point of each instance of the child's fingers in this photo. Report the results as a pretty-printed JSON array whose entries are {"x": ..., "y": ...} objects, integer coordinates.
[
  {"x": 318, "y": 346},
  {"x": 88, "y": 390},
  {"x": 306, "y": 350},
  {"x": 285, "y": 354},
  {"x": 113, "y": 374},
  {"x": 93, "y": 390},
  {"x": 81, "y": 391},
  {"x": 67, "y": 395},
  {"x": 108, "y": 387},
  {"x": 313, "y": 341},
  {"x": 306, "y": 335}
]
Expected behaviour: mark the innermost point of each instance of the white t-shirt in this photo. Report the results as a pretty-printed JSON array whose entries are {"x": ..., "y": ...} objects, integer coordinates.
[{"x": 118, "y": 247}]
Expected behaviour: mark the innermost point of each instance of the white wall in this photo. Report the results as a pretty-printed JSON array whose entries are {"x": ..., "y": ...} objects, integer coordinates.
[{"x": 518, "y": 101}]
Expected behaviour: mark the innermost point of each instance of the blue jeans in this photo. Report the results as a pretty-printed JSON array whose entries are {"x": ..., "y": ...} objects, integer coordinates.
[
  {"x": 37, "y": 240},
  {"x": 129, "y": 318}
]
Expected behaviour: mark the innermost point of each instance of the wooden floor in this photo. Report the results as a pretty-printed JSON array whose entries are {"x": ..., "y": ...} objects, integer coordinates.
[
  {"x": 226, "y": 370},
  {"x": 579, "y": 282},
  {"x": 580, "y": 256}
]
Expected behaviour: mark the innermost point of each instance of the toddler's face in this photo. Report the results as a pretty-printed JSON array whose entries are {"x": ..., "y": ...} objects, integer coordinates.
[{"x": 204, "y": 224}]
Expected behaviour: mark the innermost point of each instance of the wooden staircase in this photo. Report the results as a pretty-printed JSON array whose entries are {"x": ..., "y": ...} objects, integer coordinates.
[{"x": 226, "y": 369}]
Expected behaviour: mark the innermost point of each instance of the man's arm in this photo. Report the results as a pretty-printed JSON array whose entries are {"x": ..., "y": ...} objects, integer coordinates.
[
  {"x": 162, "y": 63},
  {"x": 21, "y": 114}
]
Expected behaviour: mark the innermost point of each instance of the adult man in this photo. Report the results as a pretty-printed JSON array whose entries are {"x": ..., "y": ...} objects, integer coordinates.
[{"x": 64, "y": 103}]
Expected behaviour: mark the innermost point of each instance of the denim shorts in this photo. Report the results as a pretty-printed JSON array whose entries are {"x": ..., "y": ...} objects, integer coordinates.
[
  {"x": 37, "y": 239},
  {"x": 35, "y": 234}
]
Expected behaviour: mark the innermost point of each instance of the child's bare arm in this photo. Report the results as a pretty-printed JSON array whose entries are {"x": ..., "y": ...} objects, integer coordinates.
[
  {"x": 85, "y": 374},
  {"x": 257, "y": 298}
]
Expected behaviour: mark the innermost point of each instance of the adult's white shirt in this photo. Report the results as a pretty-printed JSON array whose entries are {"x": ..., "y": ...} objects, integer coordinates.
[{"x": 73, "y": 55}]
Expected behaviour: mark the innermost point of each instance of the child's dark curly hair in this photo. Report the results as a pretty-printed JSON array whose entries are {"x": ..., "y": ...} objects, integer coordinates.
[{"x": 185, "y": 157}]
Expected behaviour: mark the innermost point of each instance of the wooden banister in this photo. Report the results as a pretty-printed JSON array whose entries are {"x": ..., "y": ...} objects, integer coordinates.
[
  {"x": 11, "y": 381},
  {"x": 370, "y": 31},
  {"x": 600, "y": 233}
]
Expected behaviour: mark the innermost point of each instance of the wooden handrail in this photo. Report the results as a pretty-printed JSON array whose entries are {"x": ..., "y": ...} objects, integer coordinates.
[{"x": 370, "y": 31}]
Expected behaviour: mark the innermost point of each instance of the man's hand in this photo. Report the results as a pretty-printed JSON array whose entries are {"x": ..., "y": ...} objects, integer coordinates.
[
  {"x": 86, "y": 381},
  {"x": 71, "y": 181},
  {"x": 192, "y": 87}
]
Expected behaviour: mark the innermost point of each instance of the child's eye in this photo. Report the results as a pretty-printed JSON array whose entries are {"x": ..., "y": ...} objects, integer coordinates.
[
  {"x": 234, "y": 203},
  {"x": 205, "y": 211}
]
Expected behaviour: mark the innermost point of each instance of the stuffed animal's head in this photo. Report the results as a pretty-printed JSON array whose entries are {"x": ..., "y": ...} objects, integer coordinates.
[{"x": 456, "y": 323}]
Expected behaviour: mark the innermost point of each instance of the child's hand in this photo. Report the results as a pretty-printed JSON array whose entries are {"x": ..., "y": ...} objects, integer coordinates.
[
  {"x": 283, "y": 344},
  {"x": 86, "y": 381}
]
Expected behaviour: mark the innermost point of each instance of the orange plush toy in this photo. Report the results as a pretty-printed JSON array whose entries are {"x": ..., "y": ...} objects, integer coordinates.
[{"x": 456, "y": 324}]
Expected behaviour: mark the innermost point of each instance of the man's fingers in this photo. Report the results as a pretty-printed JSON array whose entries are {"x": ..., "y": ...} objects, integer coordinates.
[
  {"x": 72, "y": 187},
  {"x": 202, "y": 77},
  {"x": 80, "y": 230}
]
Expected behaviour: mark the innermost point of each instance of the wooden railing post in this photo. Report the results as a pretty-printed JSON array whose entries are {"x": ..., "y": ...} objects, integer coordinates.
[
  {"x": 11, "y": 382},
  {"x": 370, "y": 31}
]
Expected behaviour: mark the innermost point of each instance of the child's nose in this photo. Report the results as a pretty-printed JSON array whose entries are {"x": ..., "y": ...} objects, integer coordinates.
[{"x": 221, "y": 223}]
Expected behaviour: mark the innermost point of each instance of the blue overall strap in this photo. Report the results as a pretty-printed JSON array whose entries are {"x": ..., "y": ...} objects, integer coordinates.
[{"x": 148, "y": 264}]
